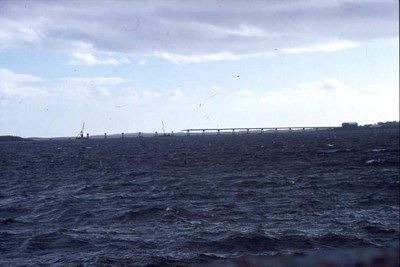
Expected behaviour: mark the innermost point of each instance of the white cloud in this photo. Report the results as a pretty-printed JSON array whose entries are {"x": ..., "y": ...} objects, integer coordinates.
[
  {"x": 150, "y": 94},
  {"x": 103, "y": 92},
  {"x": 21, "y": 91},
  {"x": 176, "y": 94},
  {"x": 19, "y": 85},
  {"x": 222, "y": 56},
  {"x": 325, "y": 102},
  {"x": 7, "y": 76},
  {"x": 197, "y": 58},
  {"x": 330, "y": 47},
  {"x": 215, "y": 88},
  {"x": 75, "y": 95},
  {"x": 246, "y": 31},
  {"x": 91, "y": 60},
  {"x": 94, "y": 81},
  {"x": 245, "y": 92},
  {"x": 19, "y": 33},
  {"x": 68, "y": 91},
  {"x": 328, "y": 84},
  {"x": 88, "y": 89},
  {"x": 142, "y": 62}
]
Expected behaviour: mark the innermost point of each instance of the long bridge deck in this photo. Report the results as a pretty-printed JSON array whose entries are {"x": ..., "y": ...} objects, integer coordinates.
[{"x": 259, "y": 129}]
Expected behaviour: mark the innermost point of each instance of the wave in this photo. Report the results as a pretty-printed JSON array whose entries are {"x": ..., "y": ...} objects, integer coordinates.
[
  {"x": 372, "y": 229},
  {"x": 375, "y": 228},
  {"x": 249, "y": 243},
  {"x": 166, "y": 261},
  {"x": 261, "y": 244},
  {"x": 378, "y": 150},
  {"x": 12, "y": 222},
  {"x": 332, "y": 240},
  {"x": 370, "y": 256},
  {"x": 330, "y": 151},
  {"x": 375, "y": 161},
  {"x": 54, "y": 241},
  {"x": 141, "y": 214}
]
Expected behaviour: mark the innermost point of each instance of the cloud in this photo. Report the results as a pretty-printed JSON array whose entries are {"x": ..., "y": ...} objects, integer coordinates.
[
  {"x": 88, "y": 89},
  {"x": 104, "y": 92},
  {"x": 150, "y": 94},
  {"x": 94, "y": 81},
  {"x": 193, "y": 31},
  {"x": 176, "y": 94},
  {"x": 197, "y": 58},
  {"x": 245, "y": 92},
  {"x": 66, "y": 90},
  {"x": 142, "y": 62},
  {"x": 19, "y": 85},
  {"x": 76, "y": 91},
  {"x": 328, "y": 84},
  {"x": 90, "y": 60},
  {"x": 14, "y": 33},
  {"x": 331, "y": 47},
  {"x": 215, "y": 88},
  {"x": 222, "y": 56},
  {"x": 324, "y": 102},
  {"x": 7, "y": 76}
]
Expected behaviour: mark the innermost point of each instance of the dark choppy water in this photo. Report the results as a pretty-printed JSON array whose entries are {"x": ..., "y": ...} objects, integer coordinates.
[{"x": 186, "y": 200}]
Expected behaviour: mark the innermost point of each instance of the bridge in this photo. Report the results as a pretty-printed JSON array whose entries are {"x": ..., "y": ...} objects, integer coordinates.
[{"x": 259, "y": 129}]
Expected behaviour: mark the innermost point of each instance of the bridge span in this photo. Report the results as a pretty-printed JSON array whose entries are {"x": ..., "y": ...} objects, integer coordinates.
[{"x": 258, "y": 129}]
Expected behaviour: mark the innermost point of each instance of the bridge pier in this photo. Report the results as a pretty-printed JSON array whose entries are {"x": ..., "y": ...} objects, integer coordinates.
[{"x": 256, "y": 130}]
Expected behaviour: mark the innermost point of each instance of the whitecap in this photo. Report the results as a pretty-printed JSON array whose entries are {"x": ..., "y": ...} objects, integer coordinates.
[
  {"x": 331, "y": 151},
  {"x": 378, "y": 150},
  {"x": 372, "y": 161}
]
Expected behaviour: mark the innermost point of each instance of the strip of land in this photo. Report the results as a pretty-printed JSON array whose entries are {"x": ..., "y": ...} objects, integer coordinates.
[{"x": 10, "y": 138}]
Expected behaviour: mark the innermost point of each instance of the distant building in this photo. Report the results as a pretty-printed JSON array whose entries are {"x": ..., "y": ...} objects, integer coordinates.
[
  {"x": 389, "y": 124},
  {"x": 349, "y": 125}
]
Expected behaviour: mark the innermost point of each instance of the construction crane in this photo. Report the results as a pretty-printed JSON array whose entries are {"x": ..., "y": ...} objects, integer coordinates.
[
  {"x": 80, "y": 135},
  {"x": 163, "y": 129}
]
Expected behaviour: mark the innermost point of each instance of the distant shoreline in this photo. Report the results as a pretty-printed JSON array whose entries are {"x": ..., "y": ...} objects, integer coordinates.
[
  {"x": 10, "y": 138},
  {"x": 352, "y": 126}
]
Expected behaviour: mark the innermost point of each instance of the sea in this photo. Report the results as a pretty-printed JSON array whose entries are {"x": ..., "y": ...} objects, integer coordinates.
[{"x": 190, "y": 200}]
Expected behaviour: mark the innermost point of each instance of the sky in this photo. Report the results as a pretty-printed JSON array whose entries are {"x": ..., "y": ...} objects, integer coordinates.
[{"x": 128, "y": 66}]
